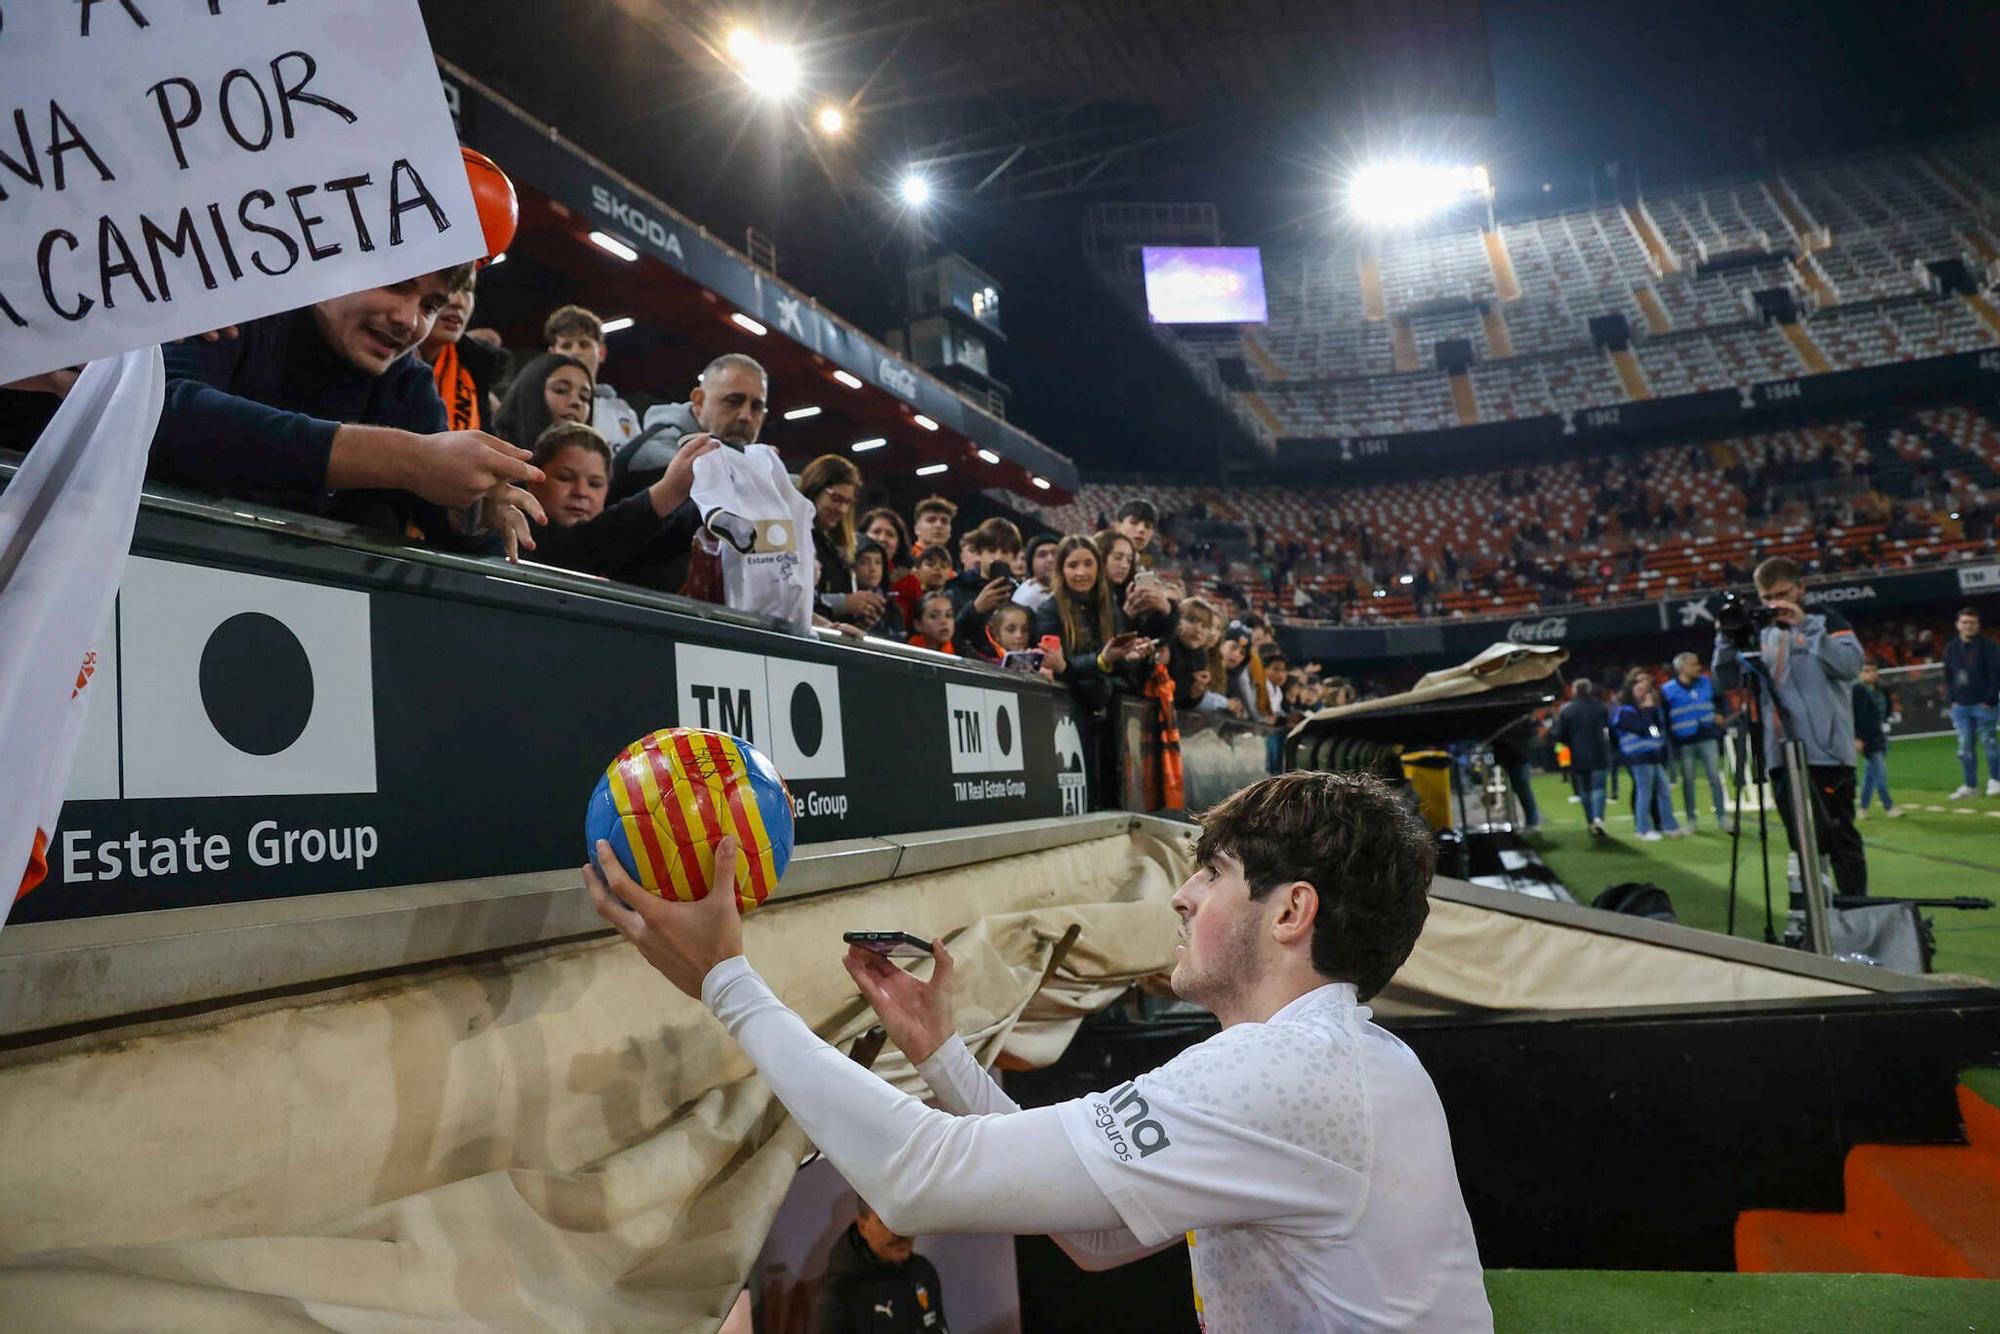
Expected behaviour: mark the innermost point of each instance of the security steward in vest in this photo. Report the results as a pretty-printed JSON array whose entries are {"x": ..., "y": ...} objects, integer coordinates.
[{"x": 876, "y": 1283}]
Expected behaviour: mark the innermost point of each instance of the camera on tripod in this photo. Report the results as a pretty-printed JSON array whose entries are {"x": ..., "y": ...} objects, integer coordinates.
[{"x": 1742, "y": 621}]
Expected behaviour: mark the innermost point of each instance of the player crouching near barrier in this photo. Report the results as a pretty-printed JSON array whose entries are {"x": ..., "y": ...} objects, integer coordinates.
[{"x": 1302, "y": 1150}]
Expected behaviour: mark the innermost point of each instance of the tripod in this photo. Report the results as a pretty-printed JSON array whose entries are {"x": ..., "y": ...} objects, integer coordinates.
[{"x": 1804, "y": 807}]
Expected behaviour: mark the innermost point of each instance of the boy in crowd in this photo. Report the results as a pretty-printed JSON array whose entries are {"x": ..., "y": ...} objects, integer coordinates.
[
  {"x": 1038, "y": 585},
  {"x": 637, "y": 534},
  {"x": 1871, "y": 742},
  {"x": 1137, "y": 520},
  {"x": 987, "y": 578},
  {"x": 572, "y": 331},
  {"x": 466, "y": 363},
  {"x": 934, "y": 623},
  {"x": 934, "y": 515},
  {"x": 870, "y": 569},
  {"x": 322, "y": 409}
]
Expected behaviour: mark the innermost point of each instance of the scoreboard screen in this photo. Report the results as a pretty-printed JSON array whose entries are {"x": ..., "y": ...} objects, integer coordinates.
[{"x": 1204, "y": 284}]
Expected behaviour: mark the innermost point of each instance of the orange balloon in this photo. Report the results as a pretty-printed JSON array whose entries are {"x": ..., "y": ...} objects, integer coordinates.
[{"x": 499, "y": 208}]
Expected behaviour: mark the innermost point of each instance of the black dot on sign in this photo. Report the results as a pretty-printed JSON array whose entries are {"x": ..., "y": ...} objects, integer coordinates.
[
  {"x": 808, "y": 723},
  {"x": 1003, "y": 730},
  {"x": 256, "y": 683}
]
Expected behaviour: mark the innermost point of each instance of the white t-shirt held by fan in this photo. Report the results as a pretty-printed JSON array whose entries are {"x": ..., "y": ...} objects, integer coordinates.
[{"x": 763, "y": 529}]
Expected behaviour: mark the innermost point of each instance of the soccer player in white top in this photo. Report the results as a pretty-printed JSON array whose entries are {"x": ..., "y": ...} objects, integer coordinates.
[{"x": 1302, "y": 1151}]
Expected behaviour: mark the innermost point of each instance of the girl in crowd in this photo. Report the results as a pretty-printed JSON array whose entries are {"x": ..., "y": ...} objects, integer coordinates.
[
  {"x": 1138, "y": 594},
  {"x": 1194, "y": 654},
  {"x": 871, "y": 575},
  {"x": 552, "y": 388},
  {"x": 631, "y": 536},
  {"x": 934, "y": 622},
  {"x": 1641, "y": 733},
  {"x": 1085, "y": 618}
]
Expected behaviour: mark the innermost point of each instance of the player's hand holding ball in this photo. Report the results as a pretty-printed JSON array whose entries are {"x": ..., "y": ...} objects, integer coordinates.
[{"x": 682, "y": 940}]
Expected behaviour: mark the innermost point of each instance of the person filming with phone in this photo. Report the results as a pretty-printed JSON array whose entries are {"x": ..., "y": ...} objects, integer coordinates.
[{"x": 1807, "y": 663}]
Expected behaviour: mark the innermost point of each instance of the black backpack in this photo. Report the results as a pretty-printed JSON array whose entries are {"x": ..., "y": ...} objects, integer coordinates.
[{"x": 1638, "y": 899}]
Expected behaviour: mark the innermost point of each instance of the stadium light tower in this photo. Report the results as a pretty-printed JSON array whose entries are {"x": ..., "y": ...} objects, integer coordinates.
[
  {"x": 1399, "y": 193},
  {"x": 770, "y": 68},
  {"x": 832, "y": 120},
  {"x": 916, "y": 189}
]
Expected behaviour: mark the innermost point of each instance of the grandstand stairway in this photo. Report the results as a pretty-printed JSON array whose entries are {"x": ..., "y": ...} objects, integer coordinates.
[
  {"x": 1504, "y": 280},
  {"x": 1815, "y": 281},
  {"x": 1403, "y": 345},
  {"x": 1984, "y": 309},
  {"x": 1268, "y": 368},
  {"x": 1374, "y": 301},
  {"x": 1498, "y": 338},
  {"x": 1649, "y": 237},
  {"x": 1657, "y": 320},
  {"x": 1802, "y": 343},
  {"x": 1630, "y": 375},
  {"x": 1930, "y": 1210},
  {"x": 1892, "y": 472},
  {"x": 1463, "y": 400},
  {"x": 1811, "y": 236}
]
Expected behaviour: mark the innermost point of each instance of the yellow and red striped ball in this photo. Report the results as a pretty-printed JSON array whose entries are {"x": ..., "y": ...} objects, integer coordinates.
[{"x": 669, "y": 798}]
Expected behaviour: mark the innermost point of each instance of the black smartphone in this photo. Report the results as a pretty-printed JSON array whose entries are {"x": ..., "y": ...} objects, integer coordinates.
[{"x": 890, "y": 944}]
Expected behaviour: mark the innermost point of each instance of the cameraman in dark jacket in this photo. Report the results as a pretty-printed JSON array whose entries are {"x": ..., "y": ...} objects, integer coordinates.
[{"x": 1810, "y": 662}]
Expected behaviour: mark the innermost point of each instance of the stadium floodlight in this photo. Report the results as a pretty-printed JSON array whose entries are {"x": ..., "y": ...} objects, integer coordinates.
[
  {"x": 623, "y": 322},
  {"x": 1041, "y": 483},
  {"x": 832, "y": 120},
  {"x": 851, "y": 381},
  {"x": 743, "y": 321},
  {"x": 916, "y": 190},
  {"x": 800, "y": 414},
  {"x": 923, "y": 421},
  {"x": 612, "y": 245},
  {"x": 989, "y": 456},
  {"x": 863, "y": 446},
  {"x": 933, "y": 469},
  {"x": 1390, "y": 194},
  {"x": 772, "y": 69}
]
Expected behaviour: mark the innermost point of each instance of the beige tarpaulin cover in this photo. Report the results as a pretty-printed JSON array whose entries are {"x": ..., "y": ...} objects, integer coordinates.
[{"x": 560, "y": 1141}]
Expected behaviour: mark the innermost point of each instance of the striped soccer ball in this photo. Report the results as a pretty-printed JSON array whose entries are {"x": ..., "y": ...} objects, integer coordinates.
[{"x": 670, "y": 797}]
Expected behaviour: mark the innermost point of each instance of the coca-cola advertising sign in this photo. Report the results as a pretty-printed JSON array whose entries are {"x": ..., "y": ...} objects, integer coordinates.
[{"x": 1548, "y": 630}]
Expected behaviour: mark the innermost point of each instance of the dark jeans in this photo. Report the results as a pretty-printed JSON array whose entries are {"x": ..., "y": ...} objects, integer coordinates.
[{"x": 1838, "y": 837}]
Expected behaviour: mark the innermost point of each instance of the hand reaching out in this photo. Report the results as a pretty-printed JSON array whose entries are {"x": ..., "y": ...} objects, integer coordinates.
[{"x": 916, "y": 1013}]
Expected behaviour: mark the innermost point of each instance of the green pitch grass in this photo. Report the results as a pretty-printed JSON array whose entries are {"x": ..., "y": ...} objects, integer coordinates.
[
  {"x": 1587, "y": 1302},
  {"x": 1940, "y": 847}
]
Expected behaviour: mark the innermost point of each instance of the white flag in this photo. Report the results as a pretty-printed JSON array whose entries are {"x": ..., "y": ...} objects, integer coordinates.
[{"x": 65, "y": 526}]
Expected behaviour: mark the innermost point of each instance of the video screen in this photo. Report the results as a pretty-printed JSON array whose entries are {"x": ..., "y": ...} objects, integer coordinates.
[{"x": 1204, "y": 284}]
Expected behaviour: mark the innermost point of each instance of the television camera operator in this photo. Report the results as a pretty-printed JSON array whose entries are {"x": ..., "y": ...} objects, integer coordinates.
[{"x": 1807, "y": 663}]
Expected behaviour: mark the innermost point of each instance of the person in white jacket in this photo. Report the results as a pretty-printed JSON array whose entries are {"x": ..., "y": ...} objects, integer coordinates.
[{"x": 1302, "y": 1151}]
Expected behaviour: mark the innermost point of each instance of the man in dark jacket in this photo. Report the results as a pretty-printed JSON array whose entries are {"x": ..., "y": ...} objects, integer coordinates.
[
  {"x": 324, "y": 409},
  {"x": 1871, "y": 742},
  {"x": 1972, "y": 676},
  {"x": 1581, "y": 725},
  {"x": 876, "y": 1283}
]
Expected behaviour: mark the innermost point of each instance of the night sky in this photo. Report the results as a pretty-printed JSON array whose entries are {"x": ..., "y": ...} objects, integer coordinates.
[{"x": 1671, "y": 90}]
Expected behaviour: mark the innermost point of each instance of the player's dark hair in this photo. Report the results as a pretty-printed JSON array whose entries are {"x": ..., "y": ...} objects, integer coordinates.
[
  {"x": 1139, "y": 509},
  {"x": 1349, "y": 836},
  {"x": 1973, "y": 612}
]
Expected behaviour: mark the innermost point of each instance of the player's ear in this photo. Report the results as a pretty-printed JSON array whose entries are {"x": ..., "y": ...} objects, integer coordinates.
[{"x": 1297, "y": 912}]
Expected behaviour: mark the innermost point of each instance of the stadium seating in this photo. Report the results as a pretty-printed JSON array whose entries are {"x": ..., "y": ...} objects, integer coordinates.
[
  {"x": 1667, "y": 519},
  {"x": 1850, "y": 239}
]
